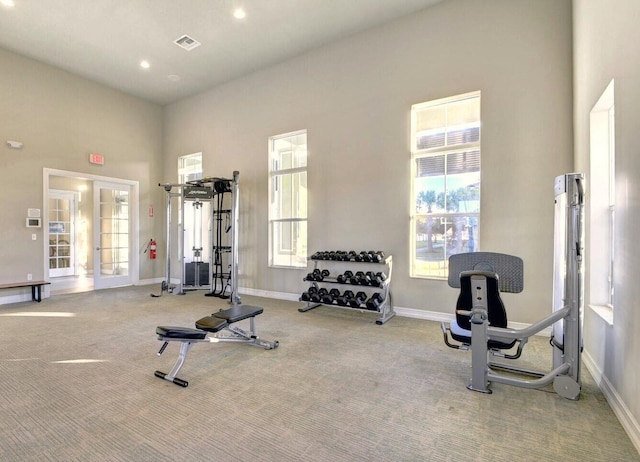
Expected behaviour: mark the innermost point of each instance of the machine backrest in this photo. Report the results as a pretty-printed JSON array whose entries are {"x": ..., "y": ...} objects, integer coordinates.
[
  {"x": 504, "y": 273},
  {"x": 497, "y": 315},
  {"x": 508, "y": 267}
]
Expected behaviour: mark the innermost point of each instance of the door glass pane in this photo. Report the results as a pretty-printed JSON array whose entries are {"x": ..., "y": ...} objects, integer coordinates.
[
  {"x": 61, "y": 233},
  {"x": 114, "y": 232}
]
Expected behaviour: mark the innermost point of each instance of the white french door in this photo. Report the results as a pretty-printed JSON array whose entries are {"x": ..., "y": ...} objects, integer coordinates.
[
  {"x": 61, "y": 233},
  {"x": 111, "y": 234}
]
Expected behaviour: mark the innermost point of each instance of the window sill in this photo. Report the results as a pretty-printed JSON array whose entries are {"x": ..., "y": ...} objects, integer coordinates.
[{"x": 605, "y": 312}]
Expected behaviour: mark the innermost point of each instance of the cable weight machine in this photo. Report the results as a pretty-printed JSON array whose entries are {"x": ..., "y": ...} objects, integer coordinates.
[
  {"x": 207, "y": 250},
  {"x": 481, "y": 320},
  {"x": 224, "y": 238}
]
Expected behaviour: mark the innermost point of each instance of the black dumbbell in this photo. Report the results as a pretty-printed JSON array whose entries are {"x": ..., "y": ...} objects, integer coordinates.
[
  {"x": 318, "y": 275},
  {"x": 343, "y": 300},
  {"x": 335, "y": 293},
  {"x": 379, "y": 278},
  {"x": 315, "y": 297},
  {"x": 367, "y": 279},
  {"x": 377, "y": 257},
  {"x": 306, "y": 296},
  {"x": 345, "y": 277},
  {"x": 355, "y": 279},
  {"x": 327, "y": 298},
  {"x": 324, "y": 295},
  {"x": 358, "y": 300},
  {"x": 375, "y": 301},
  {"x": 372, "y": 279},
  {"x": 314, "y": 275}
]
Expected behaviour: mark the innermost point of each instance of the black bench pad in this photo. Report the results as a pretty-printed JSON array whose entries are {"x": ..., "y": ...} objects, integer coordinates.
[
  {"x": 238, "y": 313},
  {"x": 211, "y": 324},
  {"x": 180, "y": 332}
]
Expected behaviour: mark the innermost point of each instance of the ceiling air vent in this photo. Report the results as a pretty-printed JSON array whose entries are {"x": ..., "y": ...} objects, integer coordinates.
[{"x": 187, "y": 42}]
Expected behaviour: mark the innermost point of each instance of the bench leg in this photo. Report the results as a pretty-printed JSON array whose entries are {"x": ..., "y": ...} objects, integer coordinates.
[
  {"x": 185, "y": 346},
  {"x": 36, "y": 296}
]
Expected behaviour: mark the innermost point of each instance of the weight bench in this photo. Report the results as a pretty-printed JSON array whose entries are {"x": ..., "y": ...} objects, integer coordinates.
[{"x": 218, "y": 324}]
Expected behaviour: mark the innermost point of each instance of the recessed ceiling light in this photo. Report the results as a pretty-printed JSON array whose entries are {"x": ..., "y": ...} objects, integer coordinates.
[
  {"x": 239, "y": 13},
  {"x": 8, "y": 3},
  {"x": 145, "y": 64}
]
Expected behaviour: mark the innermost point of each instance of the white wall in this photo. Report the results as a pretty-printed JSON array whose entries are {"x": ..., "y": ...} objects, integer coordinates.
[
  {"x": 606, "y": 37},
  {"x": 61, "y": 118},
  {"x": 354, "y": 98}
]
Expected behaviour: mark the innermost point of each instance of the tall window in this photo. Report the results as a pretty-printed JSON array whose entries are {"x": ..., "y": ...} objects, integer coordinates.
[
  {"x": 602, "y": 200},
  {"x": 288, "y": 200},
  {"x": 190, "y": 167},
  {"x": 445, "y": 180}
]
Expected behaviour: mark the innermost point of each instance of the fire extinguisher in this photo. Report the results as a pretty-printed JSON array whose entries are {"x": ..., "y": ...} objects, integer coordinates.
[{"x": 152, "y": 249}]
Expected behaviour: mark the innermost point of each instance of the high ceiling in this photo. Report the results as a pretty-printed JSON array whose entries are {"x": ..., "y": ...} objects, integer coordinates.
[{"x": 106, "y": 40}]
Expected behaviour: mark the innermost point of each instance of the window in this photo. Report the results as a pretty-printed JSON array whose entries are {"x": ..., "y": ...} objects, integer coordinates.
[
  {"x": 288, "y": 200},
  {"x": 196, "y": 245},
  {"x": 602, "y": 200},
  {"x": 190, "y": 168},
  {"x": 445, "y": 182}
]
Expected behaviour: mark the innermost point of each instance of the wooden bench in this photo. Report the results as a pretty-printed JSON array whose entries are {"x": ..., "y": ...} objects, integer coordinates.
[{"x": 36, "y": 288}]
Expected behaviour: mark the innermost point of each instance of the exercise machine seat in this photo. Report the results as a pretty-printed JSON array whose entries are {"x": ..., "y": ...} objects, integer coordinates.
[
  {"x": 497, "y": 315},
  {"x": 211, "y": 324},
  {"x": 238, "y": 313},
  {"x": 180, "y": 332}
]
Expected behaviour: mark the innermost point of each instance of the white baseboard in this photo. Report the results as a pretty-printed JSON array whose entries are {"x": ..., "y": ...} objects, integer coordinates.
[
  {"x": 620, "y": 409},
  {"x": 269, "y": 294},
  {"x": 26, "y": 297},
  {"x": 148, "y": 282},
  {"x": 423, "y": 314}
]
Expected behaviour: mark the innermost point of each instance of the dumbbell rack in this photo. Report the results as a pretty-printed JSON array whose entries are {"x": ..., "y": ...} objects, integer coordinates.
[{"x": 386, "y": 306}]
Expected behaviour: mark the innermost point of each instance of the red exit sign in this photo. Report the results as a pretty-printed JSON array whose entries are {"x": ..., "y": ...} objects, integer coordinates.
[{"x": 97, "y": 159}]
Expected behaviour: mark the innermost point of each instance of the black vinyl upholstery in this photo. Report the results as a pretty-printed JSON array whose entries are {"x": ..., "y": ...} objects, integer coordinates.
[
  {"x": 497, "y": 315},
  {"x": 492, "y": 266},
  {"x": 238, "y": 313},
  {"x": 211, "y": 324},
  {"x": 180, "y": 332}
]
